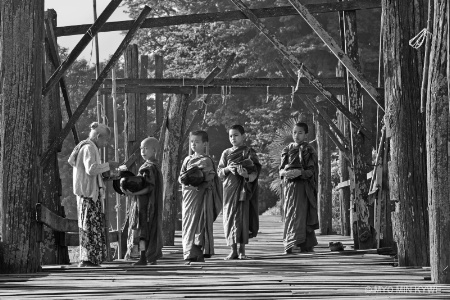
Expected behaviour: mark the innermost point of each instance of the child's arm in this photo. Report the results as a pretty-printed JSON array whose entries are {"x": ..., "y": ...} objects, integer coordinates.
[
  {"x": 138, "y": 193},
  {"x": 183, "y": 169},
  {"x": 222, "y": 168},
  {"x": 309, "y": 169}
]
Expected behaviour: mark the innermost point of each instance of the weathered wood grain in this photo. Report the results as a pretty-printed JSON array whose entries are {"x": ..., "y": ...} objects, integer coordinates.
[{"x": 269, "y": 275}]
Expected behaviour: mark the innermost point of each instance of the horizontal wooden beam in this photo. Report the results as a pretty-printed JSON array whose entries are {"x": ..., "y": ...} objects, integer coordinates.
[
  {"x": 336, "y": 81},
  {"x": 224, "y": 16},
  {"x": 206, "y": 90},
  {"x": 73, "y": 239},
  {"x": 55, "y": 222},
  {"x": 346, "y": 183}
]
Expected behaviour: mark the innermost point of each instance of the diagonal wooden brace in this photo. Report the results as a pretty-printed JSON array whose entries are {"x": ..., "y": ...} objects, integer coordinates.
[
  {"x": 338, "y": 52},
  {"x": 85, "y": 102},
  {"x": 62, "y": 82},
  {"x": 303, "y": 69},
  {"x": 85, "y": 40}
]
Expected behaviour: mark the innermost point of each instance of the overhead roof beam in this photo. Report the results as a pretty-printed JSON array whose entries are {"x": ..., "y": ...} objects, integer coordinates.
[{"x": 224, "y": 16}]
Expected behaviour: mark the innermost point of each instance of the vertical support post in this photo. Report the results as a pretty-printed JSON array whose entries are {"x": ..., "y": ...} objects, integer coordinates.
[
  {"x": 176, "y": 122},
  {"x": 102, "y": 118},
  {"x": 51, "y": 123},
  {"x": 159, "y": 109},
  {"x": 130, "y": 138},
  {"x": 360, "y": 189},
  {"x": 344, "y": 127},
  {"x": 143, "y": 129},
  {"x": 116, "y": 158},
  {"x": 324, "y": 200}
]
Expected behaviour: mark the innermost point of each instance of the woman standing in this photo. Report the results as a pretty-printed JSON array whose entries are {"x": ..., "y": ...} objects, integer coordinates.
[{"x": 89, "y": 188}]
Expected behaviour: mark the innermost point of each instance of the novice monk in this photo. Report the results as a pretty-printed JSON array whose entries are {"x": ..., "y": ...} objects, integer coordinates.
[
  {"x": 201, "y": 203},
  {"x": 239, "y": 169},
  {"x": 145, "y": 215},
  {"x": 298, "y": 171}
]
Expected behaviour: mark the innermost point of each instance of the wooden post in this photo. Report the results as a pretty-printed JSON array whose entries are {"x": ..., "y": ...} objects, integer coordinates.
[
  {"x": 131, "y": 107},
  {"x": 101, "y": 117},
  {"x": 360, "y": 189},
  {"x": 438, "y": 146},
  {"x": 22, "y": 24},
  {"x": 170, "y": 163},
  {"x": 324, "y": 200},
  {"x": 344, "y": 165},
  {"x": 51, "y": 251},
  {"x": 116, "y": 158},
  {"x": 84, "y": 103},
  {"x": 159, "y": 109},
  {"x": 406, "y": 132},
  {"x": 143, "y": 120}
]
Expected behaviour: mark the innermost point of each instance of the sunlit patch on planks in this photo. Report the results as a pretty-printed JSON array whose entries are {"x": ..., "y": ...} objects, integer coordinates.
[{"x": 269, "y": 275}]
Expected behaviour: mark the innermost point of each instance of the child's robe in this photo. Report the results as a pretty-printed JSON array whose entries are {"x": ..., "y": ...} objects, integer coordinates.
[
  {"x": 200, "y": 207},
  {"x": 240, "y": 196},
  {"x": 145, "y": 214},
  {"x": 300, "y": 196}
]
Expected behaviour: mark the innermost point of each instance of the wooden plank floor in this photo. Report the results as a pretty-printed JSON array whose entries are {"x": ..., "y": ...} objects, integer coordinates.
[{"x": 268, "y": 275}]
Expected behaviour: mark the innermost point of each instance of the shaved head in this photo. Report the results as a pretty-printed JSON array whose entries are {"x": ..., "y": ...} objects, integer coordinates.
[{"x": 150, "y": 142}]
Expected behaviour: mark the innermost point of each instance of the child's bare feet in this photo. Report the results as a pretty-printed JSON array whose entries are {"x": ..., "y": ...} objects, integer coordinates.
[
  {"x": 142, "y": 260},
  {"x": 140, "y": 263},
  {"x": 232, "y": 255},
  {"x": 288, "y": 251}
]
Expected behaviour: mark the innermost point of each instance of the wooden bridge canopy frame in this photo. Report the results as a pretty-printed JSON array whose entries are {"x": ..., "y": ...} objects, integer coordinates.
[
  {"x": 244, "y": 12},
  {"x": 281, "y": 86}
]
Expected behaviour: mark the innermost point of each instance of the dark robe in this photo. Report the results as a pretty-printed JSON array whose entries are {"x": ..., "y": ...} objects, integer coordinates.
[
  {"x": 300, "y": 196},
  {"x": 240, "y": 197},
  {"x": 145, "y": 214},
  {"x": 200, "y": 207}
]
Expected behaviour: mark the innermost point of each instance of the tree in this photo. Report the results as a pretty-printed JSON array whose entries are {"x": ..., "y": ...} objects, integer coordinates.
[
  {"x": 405, "y": 126},
  {"x": 21, "y": 59},
  {"x": 437, "y": 122}
]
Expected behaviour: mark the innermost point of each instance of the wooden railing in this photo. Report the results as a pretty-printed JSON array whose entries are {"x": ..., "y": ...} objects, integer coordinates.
[{"x": 68, "y": 228}]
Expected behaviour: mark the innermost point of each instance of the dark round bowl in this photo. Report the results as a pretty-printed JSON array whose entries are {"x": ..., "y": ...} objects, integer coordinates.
[{"x": 116, "y": 183}]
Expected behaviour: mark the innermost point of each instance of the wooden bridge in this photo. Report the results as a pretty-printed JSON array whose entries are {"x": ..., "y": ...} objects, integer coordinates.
[{"x": 351, "y": 274}]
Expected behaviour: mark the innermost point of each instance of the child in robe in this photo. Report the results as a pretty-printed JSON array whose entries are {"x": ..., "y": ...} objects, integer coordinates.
[
  {"x": 239, "y": 169},
  {"x": 145, "y": 215},
  {"x": 201, "y": 200},
  {"x": 298, "y": 171}
]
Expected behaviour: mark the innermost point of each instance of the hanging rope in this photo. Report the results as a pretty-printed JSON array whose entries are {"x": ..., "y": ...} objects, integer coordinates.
[
  {"x": 417, "y": 41},
  {"x": 292, "y": 95},
  {"x": 294, "y": 90},
  {"x": 267, "y": 94}
]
